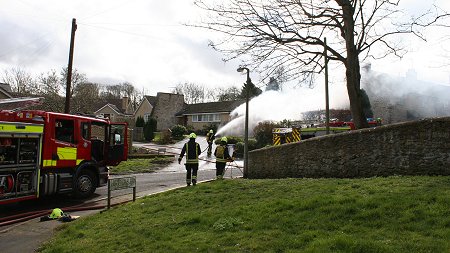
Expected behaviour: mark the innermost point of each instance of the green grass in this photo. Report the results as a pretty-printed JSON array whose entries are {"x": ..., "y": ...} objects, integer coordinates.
[
  {"x": 140, "y": 165},
  {"x": 394, "y": 214}
]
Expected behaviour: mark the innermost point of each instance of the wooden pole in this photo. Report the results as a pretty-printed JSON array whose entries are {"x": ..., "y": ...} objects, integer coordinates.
[
  {"x": 327, "y": 104},
  {"x": 69, "y": 67}
]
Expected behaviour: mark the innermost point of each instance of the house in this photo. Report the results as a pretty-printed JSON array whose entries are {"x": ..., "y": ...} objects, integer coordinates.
[
  {"x": 407, "y": 98},
  {"x": 145, "y": 108},
  {"x": 116, "y": 109},
  {"x": 161, "y": 107},
  {"x": 166, "y": 107},
  {"x": 200, "y": 115},
  {"x": 5, "y": 91}
]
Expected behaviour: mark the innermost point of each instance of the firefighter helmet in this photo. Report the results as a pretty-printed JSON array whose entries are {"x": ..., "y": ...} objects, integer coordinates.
[
  {"x": 56, "y": 213},
  {"x": 192, "y": 136},
  {"x": 224, "y": 139}
]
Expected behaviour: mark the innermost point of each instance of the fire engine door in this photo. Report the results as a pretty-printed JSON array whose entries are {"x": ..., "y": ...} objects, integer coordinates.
[{"x": 118, "y": 145}]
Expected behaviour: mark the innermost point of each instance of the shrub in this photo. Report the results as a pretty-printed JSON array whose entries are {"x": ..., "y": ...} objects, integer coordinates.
[
  {"x": 231, "y": 140},
  {"x": 208, "y": 127},
  {"x": 239, "y": 147},
  {"x": 140, "y": 122},
  {"x": 263, "y": 133},
  {"x": 149, "y": 129},
  {"x": 178, "y": 132},
  {"x": 190, "y": 128}
]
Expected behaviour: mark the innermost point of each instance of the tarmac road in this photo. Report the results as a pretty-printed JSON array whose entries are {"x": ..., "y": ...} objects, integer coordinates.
[{"x": 28, "y": 236}]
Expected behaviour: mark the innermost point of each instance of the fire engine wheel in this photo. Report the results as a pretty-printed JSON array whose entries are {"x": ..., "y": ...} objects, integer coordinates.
[{"x": 85, "y": 184}]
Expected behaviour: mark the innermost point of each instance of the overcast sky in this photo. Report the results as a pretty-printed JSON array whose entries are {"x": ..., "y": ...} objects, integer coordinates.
[{"x": 145, "y": 43}]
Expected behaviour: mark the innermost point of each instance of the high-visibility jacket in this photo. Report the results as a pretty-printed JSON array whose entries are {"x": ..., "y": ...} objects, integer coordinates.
[
  {"x": 209, "y": 137},
  {"x": 221, "y": 154},
  {"x": 192, "y": 151}
]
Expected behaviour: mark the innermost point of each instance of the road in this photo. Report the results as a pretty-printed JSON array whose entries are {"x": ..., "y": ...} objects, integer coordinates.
[{"x": 27, "y": 236}]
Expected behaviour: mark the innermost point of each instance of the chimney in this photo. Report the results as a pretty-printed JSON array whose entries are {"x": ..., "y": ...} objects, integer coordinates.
[{"x": 124, "y": 104}]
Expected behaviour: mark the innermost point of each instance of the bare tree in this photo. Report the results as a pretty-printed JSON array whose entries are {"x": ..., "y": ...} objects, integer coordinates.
[
  {"x": 77, "y": 78},
  {"x": 49, "y": 83},
  {"x": 85, "y": 98},
  {"x": 21, "y": 81},
  {"x": 229, "y": 94},
  {"x": 193, "y": 93},
  {"x": 290, "y": 33},
  {"x": 50, "y": 88}
]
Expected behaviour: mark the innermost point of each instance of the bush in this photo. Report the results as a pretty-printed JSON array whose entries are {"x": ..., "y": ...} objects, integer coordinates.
[
  {"x": 140, "y": 122},
  {"x": 239, "y": 147},
  {"x": 166, "y": 137},
  {"x": 208, "y": 127},
  {"x": 178, "y": 132},
  {"x": 190, "y": 128},
  {"x": 231, "y": 140},
  {"x": 149, "y": 129},
  {"x": 263, "y": 133}
]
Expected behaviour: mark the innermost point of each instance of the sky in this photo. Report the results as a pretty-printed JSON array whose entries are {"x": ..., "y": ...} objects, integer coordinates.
[{"x": 144, "y": 42}]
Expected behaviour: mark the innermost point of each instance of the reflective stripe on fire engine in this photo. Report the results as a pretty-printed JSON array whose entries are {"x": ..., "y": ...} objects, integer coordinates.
[
  {"x": 67, "y": 153},
  {"x": 296, "y": 134},
  {"x": 276, "y": 139},
  {"x": 22, "y": 128},
  {"x": 48, "y": 163}
]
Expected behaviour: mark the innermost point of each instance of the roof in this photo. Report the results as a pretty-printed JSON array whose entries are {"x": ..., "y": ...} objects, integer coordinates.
[
  {"x": 213, "y": 107},
  {"x": 151, "y": 100},
  {"x": 113, "y": 103},
  {"x": 5, "y": 89}
]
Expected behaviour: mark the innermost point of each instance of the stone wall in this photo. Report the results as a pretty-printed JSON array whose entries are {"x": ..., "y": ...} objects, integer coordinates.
[
  {"x": 409, "y": 148},
  {"x": 167, "y": 105}
]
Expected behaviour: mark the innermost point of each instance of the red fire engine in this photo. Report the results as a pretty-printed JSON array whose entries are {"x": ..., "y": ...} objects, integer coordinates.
[{"x": 44, "y": 153}]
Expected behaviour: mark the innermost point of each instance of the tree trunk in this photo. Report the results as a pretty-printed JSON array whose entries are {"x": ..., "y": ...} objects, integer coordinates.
[{"x": 352, "y": 73}]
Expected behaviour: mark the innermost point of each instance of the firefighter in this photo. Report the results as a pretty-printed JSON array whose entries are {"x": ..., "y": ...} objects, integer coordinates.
[
  {"x": 222, "y": 157},
  {"x": 210, "y": 140},
  {"x": 192, "y": 150}
]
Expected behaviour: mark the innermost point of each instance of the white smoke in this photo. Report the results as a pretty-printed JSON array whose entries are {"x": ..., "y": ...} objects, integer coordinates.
[
  {"x": 288, "y": 104},
  {"x": 419, "y": 99}
]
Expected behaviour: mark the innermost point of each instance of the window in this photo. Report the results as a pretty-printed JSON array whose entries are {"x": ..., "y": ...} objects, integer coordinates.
[
  {"x": 85, "y": 131},
  {"x": 64, "y": 130},
  {"x": 206, "y": 118},
  {"x": 146, "y": 117}
]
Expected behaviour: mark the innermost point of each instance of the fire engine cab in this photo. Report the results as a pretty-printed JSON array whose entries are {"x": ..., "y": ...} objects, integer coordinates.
[{"x": 44, "y": 153}]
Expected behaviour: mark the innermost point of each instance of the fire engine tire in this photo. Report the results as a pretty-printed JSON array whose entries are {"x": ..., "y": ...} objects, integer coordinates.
[{"x": 85, "y": 184}]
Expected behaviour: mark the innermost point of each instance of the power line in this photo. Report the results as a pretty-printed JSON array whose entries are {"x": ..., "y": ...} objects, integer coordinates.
[
  {"x": 25, "y": 45},
  {"x": 121, "y": 31}
]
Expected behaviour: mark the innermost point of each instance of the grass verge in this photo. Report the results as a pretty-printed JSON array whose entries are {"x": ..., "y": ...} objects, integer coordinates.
[
  {"x": 393, "y": 214},
  {"x": 141, "y": 165}
]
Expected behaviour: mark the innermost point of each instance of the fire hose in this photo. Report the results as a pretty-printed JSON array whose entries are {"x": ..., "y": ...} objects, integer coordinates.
[{"x": 13, "y": 219}]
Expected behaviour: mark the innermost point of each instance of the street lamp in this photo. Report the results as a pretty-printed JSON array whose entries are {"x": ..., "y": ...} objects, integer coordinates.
[{"x": 247, "y": 84}]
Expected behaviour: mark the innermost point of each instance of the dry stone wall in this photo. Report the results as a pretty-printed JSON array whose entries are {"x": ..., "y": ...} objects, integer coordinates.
[{"x": 409, "y": 148}]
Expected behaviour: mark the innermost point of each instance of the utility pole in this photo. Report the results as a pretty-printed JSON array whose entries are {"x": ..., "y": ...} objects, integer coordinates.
[
  {"x": 327, "y": 103},
  {"x": 69, "y": 67}
]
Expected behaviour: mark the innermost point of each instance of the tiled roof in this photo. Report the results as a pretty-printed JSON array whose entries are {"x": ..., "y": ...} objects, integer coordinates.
[
  {"x": 114, "y": 103},
  {"x": 151, "y": 100},
  {"x": 213, "y": 107}
]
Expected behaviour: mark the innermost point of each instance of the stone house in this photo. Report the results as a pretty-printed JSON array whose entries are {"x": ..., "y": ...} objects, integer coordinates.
[
  {"x": 145, "y": 108},
  {"x": 200, "y": 115},
  {"x": 407, "y": 98},
  {"x": 161, "y": 107}
]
